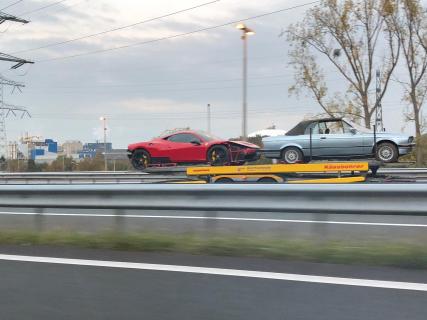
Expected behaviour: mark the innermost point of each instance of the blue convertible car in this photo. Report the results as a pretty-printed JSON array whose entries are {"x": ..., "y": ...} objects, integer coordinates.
[{"x": 336, "y": 138}]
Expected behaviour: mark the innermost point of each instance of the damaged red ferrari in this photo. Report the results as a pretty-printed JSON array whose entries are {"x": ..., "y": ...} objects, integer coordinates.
[{"x": 191, "y": 147}]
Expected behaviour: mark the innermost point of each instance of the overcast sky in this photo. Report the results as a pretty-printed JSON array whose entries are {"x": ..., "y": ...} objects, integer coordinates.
[{"x": 148, "y": 88}]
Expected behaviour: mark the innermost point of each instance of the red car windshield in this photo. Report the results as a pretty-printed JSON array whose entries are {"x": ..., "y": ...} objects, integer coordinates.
[{"x": 207, "y": 136}]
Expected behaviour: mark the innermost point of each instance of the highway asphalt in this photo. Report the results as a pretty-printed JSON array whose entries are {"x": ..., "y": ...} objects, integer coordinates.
[{"x": 68, "y": 289}]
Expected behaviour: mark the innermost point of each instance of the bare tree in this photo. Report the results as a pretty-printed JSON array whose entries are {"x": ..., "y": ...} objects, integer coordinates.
[
  {"x": 347, "y": 34},
  {"x": 411, "y": 30}
]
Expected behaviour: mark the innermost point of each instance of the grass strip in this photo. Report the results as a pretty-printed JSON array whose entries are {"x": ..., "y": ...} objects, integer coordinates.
[{"x": 398, "y": 254}]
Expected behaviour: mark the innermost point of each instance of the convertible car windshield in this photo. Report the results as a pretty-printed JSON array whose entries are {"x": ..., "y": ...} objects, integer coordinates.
[{"x": 357, "y": 126}]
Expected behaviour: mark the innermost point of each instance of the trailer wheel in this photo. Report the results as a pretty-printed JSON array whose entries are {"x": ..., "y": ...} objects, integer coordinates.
[
  {"x": 218, "y": 156},
  {"x": 224, "y": 180},
  {"x": 267, "y": 180},
  {"x": 140, "y": 159}
]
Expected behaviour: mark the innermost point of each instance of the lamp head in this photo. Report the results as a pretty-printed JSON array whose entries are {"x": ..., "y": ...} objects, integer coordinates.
[{"x": 241, "y": 26}]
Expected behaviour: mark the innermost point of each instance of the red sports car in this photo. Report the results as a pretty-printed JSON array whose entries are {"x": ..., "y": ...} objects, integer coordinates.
[{"x": 191, "y": 147}]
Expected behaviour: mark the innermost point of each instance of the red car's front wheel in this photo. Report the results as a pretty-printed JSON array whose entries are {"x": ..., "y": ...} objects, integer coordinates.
[
  {"x": 140, "y": 159},
  {"x": 218, "y": 156}
]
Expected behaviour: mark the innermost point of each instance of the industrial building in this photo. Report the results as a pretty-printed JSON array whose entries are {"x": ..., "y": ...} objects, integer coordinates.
[
  {"x": 35, "y": 148},
  {"x": 90, "y": 150},
  {"x": 71, "y": 149},
  {"x": 47, "y": 150}
]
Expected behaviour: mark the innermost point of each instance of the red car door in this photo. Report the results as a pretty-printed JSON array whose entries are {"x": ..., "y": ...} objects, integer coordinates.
[{"x": 186, "y": 147}]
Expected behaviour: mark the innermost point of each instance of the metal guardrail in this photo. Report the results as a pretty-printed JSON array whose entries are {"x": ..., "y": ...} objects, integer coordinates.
[
  {"x": 84, "y": 177},
  {"x": 71, "y": 174},
  {"x": 388, "y": 199},
  {"x": 153, "y": 175},
  {"x": 405, "y": 171}
]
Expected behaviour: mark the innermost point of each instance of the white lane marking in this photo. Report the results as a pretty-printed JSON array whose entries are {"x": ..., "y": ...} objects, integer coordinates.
[
  {"x": 380, "y": 224},
  {"x": 223, "y": 272}
]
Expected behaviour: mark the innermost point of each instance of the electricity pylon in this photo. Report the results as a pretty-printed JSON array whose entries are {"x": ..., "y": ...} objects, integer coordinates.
[
  {"x": 8, "y": 17},
  {"x": 7, "y": 57},
  {"x": 7, "y": 109}
]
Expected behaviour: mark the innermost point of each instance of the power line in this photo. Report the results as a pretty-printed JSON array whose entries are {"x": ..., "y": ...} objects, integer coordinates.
[
  {"x": 164, "y": 117},
  {"x": 41, "y": 8},
  {"x": 286, "y": 110},
  {"x": 139, "y": 87},
  {"x": 177, "y": 82},
  {"x": 331, "y": 76},
  {"x": 118, "y": 28},
  {"x": 255, "y": 109},
  {"x": 173, "y": 90},
  {"x": 177, "y": 35},
  {"x": 11, "y": 5},
  {"x": 191, "y": 63},
  {"x": 69, "y": 6}
]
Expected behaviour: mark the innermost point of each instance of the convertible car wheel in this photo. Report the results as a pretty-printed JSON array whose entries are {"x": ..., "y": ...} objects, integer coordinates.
[
  {"x": 292, "y": 155},
  {"x": 140, "y": 159},
  {"x": 218, "y": 156},
  {"x": 387, "y": 152}
]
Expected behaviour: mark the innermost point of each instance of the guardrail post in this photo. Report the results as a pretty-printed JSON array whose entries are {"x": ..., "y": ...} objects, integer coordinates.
[
  {"x": 39, "y": 219},
  {"x": 211, "y": 222},
  {"x": 119, "y": 223},
  {"x": 320, "y": 230}
]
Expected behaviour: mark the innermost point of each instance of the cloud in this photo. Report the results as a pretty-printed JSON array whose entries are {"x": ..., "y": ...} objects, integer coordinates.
[
  {"x": 157, "y": 106},
  {"x": 147, "y": 89}
]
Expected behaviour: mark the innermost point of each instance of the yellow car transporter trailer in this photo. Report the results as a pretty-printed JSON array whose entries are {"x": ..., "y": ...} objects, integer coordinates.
[{"x": 338, "y": 172}]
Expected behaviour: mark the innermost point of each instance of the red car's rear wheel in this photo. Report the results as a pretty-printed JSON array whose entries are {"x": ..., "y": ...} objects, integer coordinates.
[
  {"x": 140, "y": 159},
  {"x": 218, "y": 156}
]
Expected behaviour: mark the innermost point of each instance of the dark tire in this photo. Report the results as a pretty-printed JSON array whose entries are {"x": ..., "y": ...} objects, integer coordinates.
[
  {"x": 387, "y": 152},
  {"x": 292, "y": 155},
  {"x": 140, "y": 159},
  {"x": 218, "y": 156},
  {"x": 267, "y": 180},
  {"x": 224, "y": 180}
]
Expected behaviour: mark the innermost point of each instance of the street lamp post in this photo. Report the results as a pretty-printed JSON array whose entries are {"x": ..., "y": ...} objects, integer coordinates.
[
  {"x": 104, "y": 121},
  {"x": 245, "y": 33},
  {"x": 209, "y": 118}
]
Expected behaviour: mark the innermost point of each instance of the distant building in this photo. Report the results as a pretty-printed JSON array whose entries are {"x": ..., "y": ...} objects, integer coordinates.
[
  {"x": 44, "y": 152},
  {"x": 271, "y": 131},
  {"x": 47, "y": 150},
  {"x": 71, "y": 149},
  {"x": 90, "y": 150},
  {"x": 117, "y": 154},
  {"x": 17, "y": 151},
  {"x": 268, "y": 133},
  {"x": 35, "y": 148}
]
